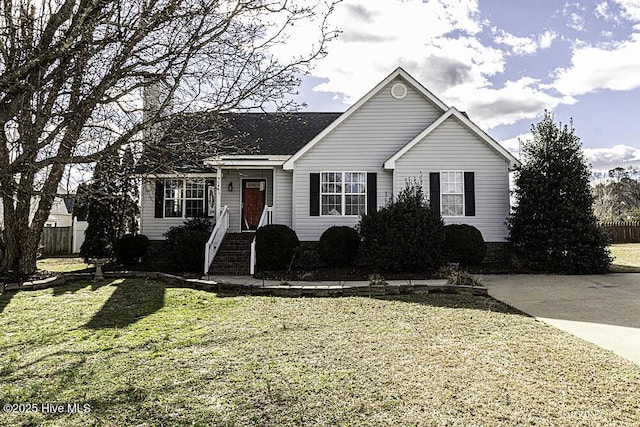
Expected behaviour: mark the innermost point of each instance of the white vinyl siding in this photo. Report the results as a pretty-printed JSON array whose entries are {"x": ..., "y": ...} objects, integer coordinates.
[
  {"x": 453, "y": 147},
  {"x": 363, "y": 142},
  {"x": 282, "y": 196},
  {"x": 154, "y": 228}
]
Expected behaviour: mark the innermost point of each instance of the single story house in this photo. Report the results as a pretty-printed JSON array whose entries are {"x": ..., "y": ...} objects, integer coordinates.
[{"x": 311, "y": 171}]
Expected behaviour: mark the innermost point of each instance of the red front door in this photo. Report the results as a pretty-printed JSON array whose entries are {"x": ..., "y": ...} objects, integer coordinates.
[{"x": 253, "y": 200}]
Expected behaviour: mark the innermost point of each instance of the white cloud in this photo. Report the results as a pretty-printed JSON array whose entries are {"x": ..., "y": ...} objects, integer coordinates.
[
  {"x": 513, "y": 144},
  {"x": 609, "y": 158},
  {"x": 594, "y": 68},
  {"x": 603, "y": 10},
  {"x": 630, "y": 9},
  {"x": 525, "y": 45},
  {"x": 546, "y": 39},
  {"x": 433, "y": 40},
  {"x": 517, "y": 100},
  {"x": 519, "y": 45}
]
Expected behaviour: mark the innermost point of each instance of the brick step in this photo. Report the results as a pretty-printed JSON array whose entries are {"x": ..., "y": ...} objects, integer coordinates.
[{"x": 234, "y": 255}]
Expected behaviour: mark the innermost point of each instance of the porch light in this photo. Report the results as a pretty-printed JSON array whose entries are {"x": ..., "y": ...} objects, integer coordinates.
[{"x": 230, "y": 187}]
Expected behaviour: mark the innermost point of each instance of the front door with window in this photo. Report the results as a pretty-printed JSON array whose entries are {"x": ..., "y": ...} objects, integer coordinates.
[{"x": 253, "y": 201}]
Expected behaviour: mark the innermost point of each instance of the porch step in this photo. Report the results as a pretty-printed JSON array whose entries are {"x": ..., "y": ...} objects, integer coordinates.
[{"x": 234, "y": 255}]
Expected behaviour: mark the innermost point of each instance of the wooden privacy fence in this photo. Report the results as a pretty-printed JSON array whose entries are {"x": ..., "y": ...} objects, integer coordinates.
[
  {"x": 57, "y": 240},
  {"x": 623, "y": 232}
]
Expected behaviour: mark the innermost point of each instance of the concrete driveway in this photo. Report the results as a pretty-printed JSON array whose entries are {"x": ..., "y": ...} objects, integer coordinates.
[{"x": 602, "y": 309}]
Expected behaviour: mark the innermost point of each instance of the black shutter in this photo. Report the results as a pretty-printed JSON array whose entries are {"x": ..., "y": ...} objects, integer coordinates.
[
  {"x": 159, "y": 202},
  {"x": 314, "y": 194},
  {"x": 434, "y": 191},
  {"x": 469, "y": 194},
  {"x": 372, "y": 192}
]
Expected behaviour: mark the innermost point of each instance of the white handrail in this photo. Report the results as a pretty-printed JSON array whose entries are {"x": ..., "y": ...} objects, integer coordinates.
[
  {"x": 216, "y": 238},
  {"x": 265, "y": 218}
]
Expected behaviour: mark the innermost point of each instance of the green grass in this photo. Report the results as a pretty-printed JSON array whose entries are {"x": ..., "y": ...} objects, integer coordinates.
[
  {"x": 141, "y": 353},
  {"x": 626, "y": 258},
  {"x": 62, "y": 265}
]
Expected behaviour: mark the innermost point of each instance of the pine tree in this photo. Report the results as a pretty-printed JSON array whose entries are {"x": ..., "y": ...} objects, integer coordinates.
[
  {"x": 110, "y": 205},
  {"x": 553, "y": 227}
]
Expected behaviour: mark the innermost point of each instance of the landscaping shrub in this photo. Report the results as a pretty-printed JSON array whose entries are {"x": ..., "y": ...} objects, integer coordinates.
[
  {"x": 339, "y": 245},
  {"x": 200, "y": 224},
  {"x": 553, "y": 227},
  {"x": 189, "y": 249},
  {"x": 276, "y": 247},
  {"x": 131, "y": 248},
  {"x": 464, "y": 244},
  {"x": 405, "y": 235}
]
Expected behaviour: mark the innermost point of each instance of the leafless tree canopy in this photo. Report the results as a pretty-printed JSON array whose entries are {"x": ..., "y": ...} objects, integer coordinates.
[{"x": 73, "y": 73}]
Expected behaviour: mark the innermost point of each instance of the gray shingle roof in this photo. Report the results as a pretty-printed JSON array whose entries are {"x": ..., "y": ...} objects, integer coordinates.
[{"x": 191, "y": 138}]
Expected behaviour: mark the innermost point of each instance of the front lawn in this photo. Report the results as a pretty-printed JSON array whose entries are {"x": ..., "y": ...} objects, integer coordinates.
[
  {"x": 141, "y": 353},
  {"x": 626, "y": 258}
]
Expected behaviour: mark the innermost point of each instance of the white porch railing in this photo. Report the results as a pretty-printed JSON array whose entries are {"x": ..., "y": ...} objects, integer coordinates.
[
  {"x": 265, "y": 218},
  {"x": 216, "y": 238}
]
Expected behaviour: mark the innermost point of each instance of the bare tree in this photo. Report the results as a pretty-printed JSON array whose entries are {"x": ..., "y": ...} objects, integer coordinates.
[{"x": 72, "y": 73}]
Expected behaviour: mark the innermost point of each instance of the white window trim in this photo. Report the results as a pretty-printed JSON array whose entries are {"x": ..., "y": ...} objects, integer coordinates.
[
  {"x": 343, "y": 194},
  {"x": 442, "y": 194},
  {"x": 183, "y": 199}
]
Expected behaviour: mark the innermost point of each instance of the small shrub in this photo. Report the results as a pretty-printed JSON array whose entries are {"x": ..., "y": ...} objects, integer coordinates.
[
  {"x": 131, "y": 248},
  {"x": 377, "y": 280},
  {"x": 405, "y": 235},
  {"x": 276, "y": 247},
  {"x": 200, "y": 224},
  {"x": 464, "y": 244},
  {"x": 339, "y": 245},
  {"x": 189, "y": 249},
  {"x": 459, "y": 278}
]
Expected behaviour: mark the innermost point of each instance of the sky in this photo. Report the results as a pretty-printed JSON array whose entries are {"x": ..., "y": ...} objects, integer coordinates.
[{"x": 503, "y": 62}]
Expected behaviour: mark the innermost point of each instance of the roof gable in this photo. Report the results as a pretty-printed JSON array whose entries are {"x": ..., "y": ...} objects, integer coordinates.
[
  {"x": 399, "y": 72},
  {"x": 453, "y": 112}
]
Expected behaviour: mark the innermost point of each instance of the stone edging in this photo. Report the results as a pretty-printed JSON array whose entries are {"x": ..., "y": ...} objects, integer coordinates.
[{"x": 284, "y": 290}]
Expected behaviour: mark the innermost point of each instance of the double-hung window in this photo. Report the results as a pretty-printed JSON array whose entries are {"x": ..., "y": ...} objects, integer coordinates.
[
  {"x": 343, "y": 193},
  {"x": 452, "y": 193},
  {"x": 183, "y": 198}
]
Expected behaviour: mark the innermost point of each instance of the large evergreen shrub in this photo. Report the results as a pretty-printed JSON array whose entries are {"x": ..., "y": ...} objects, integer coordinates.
[
  {"x": 338, "y": 245},
  {"x": 553, "y": 227},
  {"x": 464, "y": 244},
  {"x": 405, "y": 235},
  {"x": 276, "y": 247}
]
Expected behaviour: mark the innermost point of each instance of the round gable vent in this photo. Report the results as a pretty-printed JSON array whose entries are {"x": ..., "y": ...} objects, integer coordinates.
[{"x": 399, "y": 90}]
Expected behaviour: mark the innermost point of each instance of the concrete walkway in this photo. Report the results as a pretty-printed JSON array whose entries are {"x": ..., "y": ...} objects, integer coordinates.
[{"x": 602, "y": 309}]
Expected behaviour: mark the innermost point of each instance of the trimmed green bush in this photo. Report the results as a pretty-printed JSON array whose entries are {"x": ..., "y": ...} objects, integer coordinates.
[
  {"x": 405, "y": 235},
  {"x": 202, "y": 223},
  {"x": 131, "y": 248},
  {"x": 190, "y": 249},
  {"x": 276, "y": 247},
  {"x": 339, "y": 245},
  {"x": 464, "y": 244}
]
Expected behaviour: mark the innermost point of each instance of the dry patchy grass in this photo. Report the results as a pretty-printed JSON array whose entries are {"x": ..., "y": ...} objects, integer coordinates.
[
  {"x": 141, "y": 353},
  {"x": 626, "y": 258},
  {"x": 62, "y": 265}
]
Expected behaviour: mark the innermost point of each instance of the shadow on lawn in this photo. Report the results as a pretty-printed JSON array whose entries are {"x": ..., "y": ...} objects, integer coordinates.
[
  {"x": 130, "y": 302},
  {"x": 5, "y": 299}
]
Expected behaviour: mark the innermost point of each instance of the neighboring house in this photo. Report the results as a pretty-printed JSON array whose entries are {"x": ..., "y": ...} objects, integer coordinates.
[
  {"x": 315, "y": 170},
  {"x": 60, "y": 214}
]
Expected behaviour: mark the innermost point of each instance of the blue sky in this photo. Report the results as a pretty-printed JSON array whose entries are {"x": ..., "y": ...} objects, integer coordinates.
[{"x": 504, "y": 62}]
